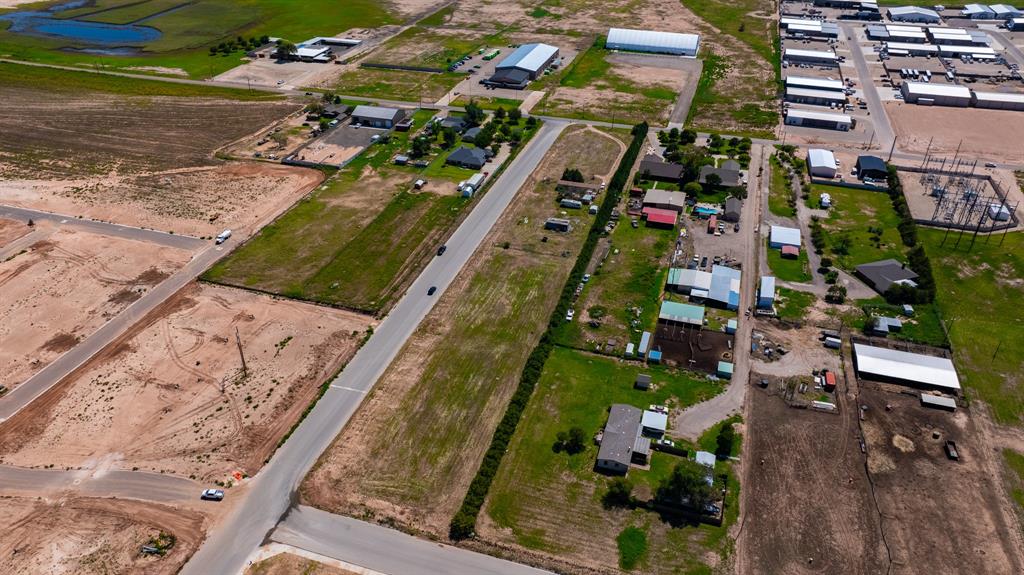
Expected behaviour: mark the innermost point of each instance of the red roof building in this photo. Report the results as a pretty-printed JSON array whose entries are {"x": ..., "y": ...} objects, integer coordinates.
[
  {"x": 790, "y": 252},
  {"x": 660, "y": 217}
]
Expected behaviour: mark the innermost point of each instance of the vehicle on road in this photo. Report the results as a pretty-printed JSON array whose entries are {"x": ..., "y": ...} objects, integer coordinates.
[
  {"x": 212, "y": 495},
  {"x": 280, "y": 82},
  {"x": 431, "y": 290},
  {"x": 223, "y": 237},
  {"x": 441, "y": 250},
  {"x": 951, "y": 451},
  {"x": 736, "y": 228},
  {"x": 991, "y": 165}
]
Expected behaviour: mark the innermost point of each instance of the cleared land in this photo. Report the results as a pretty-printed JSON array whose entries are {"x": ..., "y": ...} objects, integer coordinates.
[
  {"x": 539, "y": 492},
  {"x": 94, "y": 536},
  {"x": 975, "y": 132},
  {"x": 11, "y": 230},
  {"x": 289, "y": 564},
  {"x": 170, "y": 396},
  {"x": 410, "y": 452},
  {"x": 64, "y": 287}
]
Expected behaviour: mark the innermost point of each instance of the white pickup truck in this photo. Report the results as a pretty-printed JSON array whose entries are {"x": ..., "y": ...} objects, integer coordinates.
[{"x": 223, "y": 237}]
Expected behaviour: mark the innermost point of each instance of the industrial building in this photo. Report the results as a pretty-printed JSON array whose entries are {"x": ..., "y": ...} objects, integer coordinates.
[
  {"x": 957, "y": 36},
  {"x": 687, "y": 281},
  {"x": 812, "y": 119},
  {"x": 895, "y": 33},
  {"x": 914, "y": 14},
  {"x": 822, "y": 163},
  {"x": 376, "y": 116},
  {"x": 871, "y": 167},
  {"x": 725, "y": 287},
  {"x": 809, "y": 28},
  {"x": 998, "y": 100},
  {"x": 906, "y": 368},
  {"x": 935, "y": 94},
  {"x": 1004, "y": 11},
  {"x": 665, "y": 199},
  {"x": 621, "y": 442},
  {"x": 820, "y": 57},
  {"x": 525, "y": 63},
  {"x": 681, "y": 313},
  {"x": 911, "y": 49},
  {"x": 978, "y": 12},
  {"x": 766, "y": 293},
  {"x": 815, "y": 97},
  {"x": 976, "y": 52},
  {"x": 780, "y": 236},
  {"x": 651, "y": 41},
  {"x": 881, "y": 275},
  {"x": 1015, "y": 24},
  {"x": 814, "y": 83}
]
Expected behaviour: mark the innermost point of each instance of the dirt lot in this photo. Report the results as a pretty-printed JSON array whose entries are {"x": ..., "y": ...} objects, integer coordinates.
[
  {"x": 409, "y": 454},
  {"x": 683, "y": 345},
  {"x": 11, "y": 230},
  {"x": 82, "y": 536},
  {"x": 66, "y": 286},
  {"x": 983, "y": 133},
  {"x": 289, "y": 564},
  {"x": 153, "y": 399}
]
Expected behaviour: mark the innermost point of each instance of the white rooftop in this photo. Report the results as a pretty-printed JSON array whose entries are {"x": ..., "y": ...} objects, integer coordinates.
[
  {"x": 822, "y": 94},
  {"x": 998, "y": 97},
  {"x": 531, "y": 57},
  {"x": 785, "y": 236},
  {"x": 655, "y": 420},
  {"x": 705, "y": 458},
  {"x": 819, "y": 83},
  {"x": 669, "y": 40},
  {"x": 821, "y": 158},
  {"x": 911, "y": 47},
  {"x": 915, "y": 367},
  {"x": 929, "y": 89},
  {"x": 912, "y": 10},
  {"x": 823, "y": 116},
  {"x": 820, "y": 54}
]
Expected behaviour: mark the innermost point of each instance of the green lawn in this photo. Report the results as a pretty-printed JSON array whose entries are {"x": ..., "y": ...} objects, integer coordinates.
[
  {"x": 924, "y": 327},
  {"x": 190, "y": 31},
  {"x": 853, "y": 211},
  {"x": 979, "y": 294},
  {"x": 737, "y": 18},
  {"x": 552, "y": 501},
  {"x": 789, "y": 269},
  {"x": 778, "y": 194},
  {"x": 1015, "y": 461},
  {"x": 792, "y": 304}
]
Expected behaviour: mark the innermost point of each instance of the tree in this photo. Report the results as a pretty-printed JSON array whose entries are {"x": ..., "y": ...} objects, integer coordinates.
[
  {"x": 686, "y": 485},
  {"x": 264, "y": 39},
  {"x": 712, "y": 181},
  {"x": 836, "y": 294},
  {"x": 474, "y": 114},
  {"x": 687, "y": 136},
  {"x": 448, "y": 137},
  {"x": 572, "y": 442},
  {"x": 324, "y": 124},
  {"x": 286, "y": 48},
  {"x": 420, "y": 147},
  {"x": 619, "y": 494},
  {"x": 514, "y": 114},
  {"x": 531, "y": 122},
  {"x": 572, "y": 175},
  {"x": 841, "y": 245},
  {"x": 499, "y": 114},
  {"x": 693, "y": 189},
  {"x": 673, "y": 134},
  {"x": 723, "y": 444}
]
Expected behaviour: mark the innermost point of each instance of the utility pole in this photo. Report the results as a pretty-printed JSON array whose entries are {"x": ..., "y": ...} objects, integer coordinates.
[
  {"x": 238, "y": 341},
  {"x": 891, "y": 150}
]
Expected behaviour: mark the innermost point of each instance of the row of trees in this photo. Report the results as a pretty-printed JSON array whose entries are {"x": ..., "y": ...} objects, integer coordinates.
[
  {"x": 239, "y": 43},
  {"x": 916, "y": 257}
]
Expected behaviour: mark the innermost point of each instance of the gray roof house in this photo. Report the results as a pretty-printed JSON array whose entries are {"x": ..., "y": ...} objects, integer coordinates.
[
  {"x": 733, "y": 207},
  {"x": 881, "y": 275},
  {"x": 729, "y": 173},
  {"x": 472, "y": 158},
  {"x": 655, "y": 168},
  {"x": 622, "y": 439}
]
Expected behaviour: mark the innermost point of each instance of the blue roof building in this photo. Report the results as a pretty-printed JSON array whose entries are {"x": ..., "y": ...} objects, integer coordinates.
[
  {"x": 766, "y": 293},
  {"x": 725, "y": 287}
]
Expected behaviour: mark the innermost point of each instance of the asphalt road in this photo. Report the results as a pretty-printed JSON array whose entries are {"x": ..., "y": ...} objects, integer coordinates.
[
  {"x": 385, "y": 550},
  {"x": 105, "y": 228},
  {"x": 227, "y": 548},
  {"x": 121, "y": 484},
  {"x": 879, "y": 119},
  {"x": 74, "y": 358}
]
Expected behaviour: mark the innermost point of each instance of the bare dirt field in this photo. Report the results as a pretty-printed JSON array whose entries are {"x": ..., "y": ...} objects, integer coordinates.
[
  {"x": 11, "y": 230},
  {"x": 935, "y": 512},
  {"x": 978, "y": 132},
  {"x": 64, "y": 287},
  {"x": 170, "y": 395},
  {"x": 410, "y": 452},
  {"x": 289, "y": 564},
  {"x": 198, "y": 201},
  {"x": 84, "y": 536}
]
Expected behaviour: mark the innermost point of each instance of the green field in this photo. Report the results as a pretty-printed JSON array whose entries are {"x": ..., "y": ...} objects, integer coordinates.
[
  {"x": 552, "y": 501},
  {"x": 979, "y": 297},
  {"x": 779, "y": 196},
  {"x": 853, "y": 212},
  {"x": 792, "y": 304},
  {"x": 425, "y": 87},
  {"x": 1015, "y": 461},
  {"x": 788, "y": 269},
  {"x": 924, "y": 327},
  {"x": 189, "y": 32}
]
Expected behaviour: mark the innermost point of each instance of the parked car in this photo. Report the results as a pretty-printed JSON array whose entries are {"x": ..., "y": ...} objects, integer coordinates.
[
  {"x": 704, "y": 262},
  {"x": 666, "y": 442},
  {"x": 570, "y": 314},
  {"x": 212, "y": 495},
  {"x": 431, "y": 290},
  {"x": 736, "y": 228},
  {"x": 441, "y": 250},
  {"x": 586, "y": 278},
  {"x": 951, "y": 451},
  {"x": 991, "y": 165}
]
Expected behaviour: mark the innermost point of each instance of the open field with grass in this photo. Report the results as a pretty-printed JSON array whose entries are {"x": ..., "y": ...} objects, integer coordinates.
[
  {"x": 404, "y": 85},
  {"x": 924, "y": 327},
  {"x": 428, "y": 47},
  {"x": 188, "y": 32},
  {"x": 779, "y": 196},
  {"x": 410, "y": 452},
  {"x": 792, "y": 304},
  {"x": 978, "y": 297},
  {"x": 790, "y": 270},
  {"x": 550, "y": 502},
  {"x": 849, "y": 241}
]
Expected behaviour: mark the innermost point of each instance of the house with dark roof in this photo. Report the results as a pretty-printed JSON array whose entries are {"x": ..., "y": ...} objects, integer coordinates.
[
  {"x": 733, "y": 207},
  {"x": 471, "y": 134},
  {"x": 376, "y": 116},
  {"x": 622, "y": 442},
  {"x": 728, "y": 174},
  {"x": 654, "y": 168},
  {"x": 881, "y": 275},
  {"x": 872, "y": 167},
  {"x": 457, "y": 123},
  {"x": 472, "y": 158}
]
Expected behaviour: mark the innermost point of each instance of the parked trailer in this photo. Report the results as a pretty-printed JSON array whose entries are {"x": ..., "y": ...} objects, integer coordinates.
[{"x": 833, "y": 342}]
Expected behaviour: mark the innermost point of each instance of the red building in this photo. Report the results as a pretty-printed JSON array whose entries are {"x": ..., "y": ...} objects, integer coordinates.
[{"x": 658, "y": 217}]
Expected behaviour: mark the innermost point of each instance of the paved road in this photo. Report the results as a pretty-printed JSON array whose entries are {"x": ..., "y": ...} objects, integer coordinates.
[
  {"x": 1007, "y": 43},
  {"x": 74, "y": 358},
  {"x": 228, "y": 547},
  {"x": 385, "y": 550},
  {"x": 122, "y": 484},
  {"x": 879, "y": 119},
  {"x": 105, "y": 228}
]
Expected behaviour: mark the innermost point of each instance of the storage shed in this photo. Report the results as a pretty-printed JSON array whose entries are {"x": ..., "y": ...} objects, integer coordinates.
[
  {"x": 766, "y": 293},
  {"x": 781, "y": 236},
  {"x": 905, "y": 368},
  {"x": 822, "y": 163},
  {"x": 871, "y": 167},
  {"x": 936, "y": 94},
  {"x": 652, "y": 41},
  {"x": 377, "y": 116},
  {"x": 812, "y": 119},
  {"x": 914, "y": 14}
]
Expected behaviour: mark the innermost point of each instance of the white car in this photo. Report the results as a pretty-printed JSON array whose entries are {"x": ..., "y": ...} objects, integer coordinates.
[
  {"x": 223, "y": 237},
  {"x": 570, "y": 314},
  {"x": 586, "y": 278},
  {"x": 212, "y": 495}
]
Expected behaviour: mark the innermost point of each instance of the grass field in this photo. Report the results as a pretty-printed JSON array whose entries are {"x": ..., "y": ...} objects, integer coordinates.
[
  {"x": 420, "y": 46},
  {"x": 1015, "y": 461},
  {"x": 189, "y": 32},
  {"x": 792, "y": 304},
  {"x": 853, "y": 212},
  {"x": 551, "y": 501},
  {"x": 426, "y": 87},
  {"x": 778, "y": 193},
  {"x": 979, "y": 292},
  {"x": 788, "y": 269},
  {"x": 924, "y": 327}
]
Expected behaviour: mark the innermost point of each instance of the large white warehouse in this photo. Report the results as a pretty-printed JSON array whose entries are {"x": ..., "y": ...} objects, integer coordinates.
[
  {"x": 651, "y": 41},
  {"x": 935, "y": 94},
  {"x": 907, "y": 368}
]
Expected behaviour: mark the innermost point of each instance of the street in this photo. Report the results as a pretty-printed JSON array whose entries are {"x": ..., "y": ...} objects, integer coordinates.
[
  {"x": 228, "y": 548},
  {"x": 105, "y": 228},
  {"x": 20, "y": 481}
]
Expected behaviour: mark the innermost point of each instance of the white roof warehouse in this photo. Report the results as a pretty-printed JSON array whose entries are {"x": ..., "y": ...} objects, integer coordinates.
[
  {"x": 651, "y": 41},
  {"x": 879, "y": 363}
]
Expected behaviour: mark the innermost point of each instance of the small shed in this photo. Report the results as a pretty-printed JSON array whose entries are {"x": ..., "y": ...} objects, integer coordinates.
[
  {"x": 654, "y": 356},
  {"x": 645, "y": 344},
  {"x": 790, "y": 252},
  {"x": 782, "y": 236},
  {"x": 630, "y": 350},
  {"x": 654, "y": 423},
  {"x": 643, "y": 381},
  {"x": 731, "y": 326},
  {"x": 938, "y": 402},
  {"x": 725, "y": 369}
]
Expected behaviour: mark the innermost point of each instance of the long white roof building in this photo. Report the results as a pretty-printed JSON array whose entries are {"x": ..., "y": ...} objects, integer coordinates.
[
  {"x": 881, "y": 363},
  {"x": 651, "y": 41}
]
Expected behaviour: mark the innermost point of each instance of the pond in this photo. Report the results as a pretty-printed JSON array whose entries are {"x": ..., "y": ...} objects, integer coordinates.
[{"x": 47, "y": 24}]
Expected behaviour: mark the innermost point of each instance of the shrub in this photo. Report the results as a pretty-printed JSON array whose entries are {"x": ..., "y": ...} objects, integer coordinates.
[
  {"x": 632, "y": 543},
  {"x": 619, "y": 494},
  {"x": 723, "y": 444}
]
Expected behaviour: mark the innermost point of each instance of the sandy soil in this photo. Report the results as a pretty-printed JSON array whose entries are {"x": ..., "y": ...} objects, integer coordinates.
[
  {"x": 289, "y": 564},
  {"x": 65, "y": 287},
  {"x": 154, "y": 400},
  {"x": 806, "y": 353},
  {"x": 198, "y": 201},
  {"x": 92, "y": 537},
  {"x": 11, "y": 230},
  {"x": 983, "y": 133},
  {"x": 396, "y": 460}
]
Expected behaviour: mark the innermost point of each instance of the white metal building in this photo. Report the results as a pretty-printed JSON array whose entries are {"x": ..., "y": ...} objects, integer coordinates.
[
  {"x": 914, "y": 14},
  {"x": 822, "y": 163},
  {"x": 780, "y": 236},
  {"x": 1005, "y": 11},
  {"x": 810, "y": 56},
  {"x": 1015, "y": 24},
  {"x": 651, "y": 41},
  {"x": 978, "y": 12},
  {"x": 912, "y": 49},
  {"x": 935, "y": 94},
  {"x": 530, "y": 58},
  {"x": 814, "y": 83},
  {"x": 817, "y": 97},
  {"x": 812, "y": 119},
  {"x": 973, "y": 51},
  {"x": 904, "y": 367},
  {"x": 998, "y": 100}
]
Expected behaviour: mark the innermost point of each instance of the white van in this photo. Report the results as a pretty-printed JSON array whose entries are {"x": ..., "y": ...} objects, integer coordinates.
[{"x": 223, "y": 237}]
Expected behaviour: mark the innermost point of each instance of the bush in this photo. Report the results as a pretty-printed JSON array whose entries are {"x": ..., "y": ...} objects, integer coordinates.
[
  {"x": 723, "y": 444},
  {"x": 572, "y": 442},
  {"x": 619, "y": 494}
]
